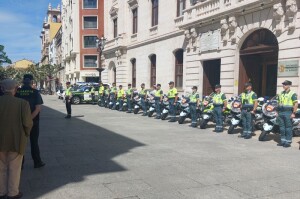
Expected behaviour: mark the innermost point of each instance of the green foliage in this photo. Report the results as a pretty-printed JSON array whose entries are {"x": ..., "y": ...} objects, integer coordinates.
[
  {"x": 39, "y": 73},
  {"x": 3, "y": 57}
]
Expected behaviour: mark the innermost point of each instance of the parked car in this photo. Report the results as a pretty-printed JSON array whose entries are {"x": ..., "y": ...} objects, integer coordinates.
[{"x": 83, "y": 95}]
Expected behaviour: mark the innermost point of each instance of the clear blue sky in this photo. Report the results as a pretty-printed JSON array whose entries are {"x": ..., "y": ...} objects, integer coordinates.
[{"x": 20, "y": 27}]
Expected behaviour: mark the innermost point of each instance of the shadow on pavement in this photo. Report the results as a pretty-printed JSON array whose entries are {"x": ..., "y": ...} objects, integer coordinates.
[{"x": 72, "y": 150}]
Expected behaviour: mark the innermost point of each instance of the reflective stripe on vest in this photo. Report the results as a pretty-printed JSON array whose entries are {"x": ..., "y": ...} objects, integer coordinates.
[
  {"x": 194, "y": 97},
  {"x": 217, "y": 98},
  {"x": 247, "y": 98},
  {"x": 158, "y": 93},
  {"x": 285, "y": 99},
  {"x": 172, "y": 93}
]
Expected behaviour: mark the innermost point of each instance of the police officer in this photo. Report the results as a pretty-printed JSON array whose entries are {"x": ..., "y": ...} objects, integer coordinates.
[
  {"x": 249, "y": 105},
  {"x": 68, "y": 100},
  {"x": 113, "y": 95},
  {"x": 101, "y": 94},
  {"x": 220, "y": 104},
  {"x": 158, "y": 96},
  {"x": 193, "y": 104},
  {"x": 287, "y": 108},
  {"x": 129, "y": 96},
  {"x": 107, "y": 94},
  {"x": 143, "y": 95},
  {"x": 35, "y": 101},
  {"x": 173, "y": 97},
  {"x": 120, "y": 97},
  {"x": 93, "y": 94}
]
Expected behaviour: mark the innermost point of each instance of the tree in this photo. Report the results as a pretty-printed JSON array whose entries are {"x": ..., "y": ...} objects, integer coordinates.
[{"x": 3, "y": 57}]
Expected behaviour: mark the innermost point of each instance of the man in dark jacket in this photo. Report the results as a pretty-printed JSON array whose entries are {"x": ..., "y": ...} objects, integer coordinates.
[{"x": 35, "y": 101}]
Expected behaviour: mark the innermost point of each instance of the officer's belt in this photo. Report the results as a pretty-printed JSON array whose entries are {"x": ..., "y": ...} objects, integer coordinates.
[
  {"x": 171, "y": 97},
  {"x": 285, "y": 108},
  {"x": 247, "y": 106},
  {"x": 218, "y": 105}
]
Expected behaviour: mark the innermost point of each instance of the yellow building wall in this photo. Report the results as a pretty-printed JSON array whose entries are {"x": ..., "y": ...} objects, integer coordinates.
[
  {"x": 22, "y": 64},
  {"x": 54, "y": 27}
]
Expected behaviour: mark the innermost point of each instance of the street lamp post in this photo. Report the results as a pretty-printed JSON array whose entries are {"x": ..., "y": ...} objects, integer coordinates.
[{"x": 100, "y": 44}]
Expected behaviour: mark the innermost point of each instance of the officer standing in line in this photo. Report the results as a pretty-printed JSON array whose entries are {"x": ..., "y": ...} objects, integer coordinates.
[
  {"x": 107, "y": 94},
  {"x": 173, "y": 97},
  {"x": 93, "y": 94},
  {"x": 158, "y": 100},
  {"x": 129, "y": 96},
  {"x": 35, "y": 101},
  {"x": 288, "y": 105},
  {"x": 101, "y": 94},
  {"x": 120, "y": 97},
  {"x": 220, "y": 104},
  {"x": 68, "y": 100},
  {"x": 249, "y": 105},
  {"x": 193, "y": 104},
  {"x": 113, "y": 95},
  {"x": 143, "y": 95}
]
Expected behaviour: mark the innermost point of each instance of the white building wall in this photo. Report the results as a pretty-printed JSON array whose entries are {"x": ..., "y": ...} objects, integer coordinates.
[{"x": 169, "y": 35}]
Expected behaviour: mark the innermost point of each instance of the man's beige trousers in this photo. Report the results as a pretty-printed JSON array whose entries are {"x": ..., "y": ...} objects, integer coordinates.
[{"x": 10, "y": 172}]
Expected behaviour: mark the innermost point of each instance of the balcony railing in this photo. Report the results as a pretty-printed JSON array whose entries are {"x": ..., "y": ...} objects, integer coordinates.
[
  {"x": 116, "y": 42},
  {"x": 210, "y": 8}
]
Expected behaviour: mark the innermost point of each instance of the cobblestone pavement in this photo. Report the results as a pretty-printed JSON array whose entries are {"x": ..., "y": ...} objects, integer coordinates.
[{"x": 102, "y": 154}]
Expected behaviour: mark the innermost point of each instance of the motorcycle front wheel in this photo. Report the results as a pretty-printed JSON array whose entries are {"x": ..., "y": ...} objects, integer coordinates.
[
  {"x": 150, "y": 113},
  {"x": 181, "y": 119},
  {"x": 164, "y": 116},
  {"x": 203, "y": 124},
  {"x": 230, "y": 129},
  {"x": 263, "y": 135},
  {"x": 136, "y": 110}
]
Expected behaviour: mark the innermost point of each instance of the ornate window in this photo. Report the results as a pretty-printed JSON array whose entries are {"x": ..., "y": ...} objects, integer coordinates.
[
  {"x": 179, "y": 68},
  {"x": 115, "y": 22},
  {"x": 134, "y": 20},
  {"x": 154, "y": 12},
  {"x": 133, "y": 63},
  {"x": 180, "y": 7},
  {"x": 153, "y": 70}
]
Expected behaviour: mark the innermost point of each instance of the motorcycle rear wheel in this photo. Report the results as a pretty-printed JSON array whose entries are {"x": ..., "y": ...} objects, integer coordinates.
[
  {"x": 263, "y": 135},
  {"x": 181, "y": 119},
  {"x": 230, "y": 129},
  {"x": 203, "y": 124}
]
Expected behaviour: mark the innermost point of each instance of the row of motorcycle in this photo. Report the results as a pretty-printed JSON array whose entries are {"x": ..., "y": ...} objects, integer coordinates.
[{"x": 265, "y": 118}]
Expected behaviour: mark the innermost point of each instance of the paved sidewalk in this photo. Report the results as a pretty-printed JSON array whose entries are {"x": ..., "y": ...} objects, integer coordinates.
[{"x": 107, "y": 154}]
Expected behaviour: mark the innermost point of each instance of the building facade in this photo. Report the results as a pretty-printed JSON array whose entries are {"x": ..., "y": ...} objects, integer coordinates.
[
  {"x": 51, "y": 25},
  {"x": 82, "y": 24},
  {"x": 202, "y": 43},
  {"x": 55, "y": 57}
]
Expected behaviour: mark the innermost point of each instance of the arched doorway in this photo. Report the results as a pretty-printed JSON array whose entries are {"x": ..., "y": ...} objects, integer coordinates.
[{"x": 258, "y": 62}]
